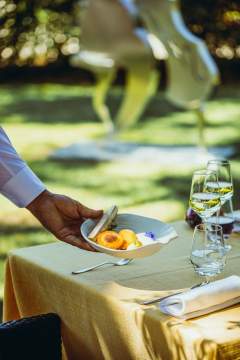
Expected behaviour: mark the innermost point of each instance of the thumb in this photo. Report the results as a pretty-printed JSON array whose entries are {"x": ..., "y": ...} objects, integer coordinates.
[{"x": 86, "y": 212}]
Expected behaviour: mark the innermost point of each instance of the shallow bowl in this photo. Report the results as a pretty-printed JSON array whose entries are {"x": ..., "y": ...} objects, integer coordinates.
[{"x": 163, "y": 233}]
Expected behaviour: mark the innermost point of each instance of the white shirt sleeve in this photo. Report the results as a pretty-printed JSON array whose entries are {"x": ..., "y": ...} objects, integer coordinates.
[{"x": 17, "y": 181}]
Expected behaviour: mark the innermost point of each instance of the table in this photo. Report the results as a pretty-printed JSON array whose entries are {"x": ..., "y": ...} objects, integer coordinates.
[{"x": 100, "y": 310}]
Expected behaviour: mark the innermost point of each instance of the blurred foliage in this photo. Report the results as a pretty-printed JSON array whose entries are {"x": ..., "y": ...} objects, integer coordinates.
[
  {"x": 37, "y": 32},
  {"x": 43, "y": 31},
  {"x": 218, "y": 23}
]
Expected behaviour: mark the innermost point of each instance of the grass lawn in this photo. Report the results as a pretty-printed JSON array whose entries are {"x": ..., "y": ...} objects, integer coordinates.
[{"x": 41, "y": 118}]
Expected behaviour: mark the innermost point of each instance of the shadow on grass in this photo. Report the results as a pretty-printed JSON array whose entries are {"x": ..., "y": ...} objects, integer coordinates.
[
  {"x": 16, "y": 236},
  {"x": 227, "y": 92},
  {"x": 69, "y": 109},
  {"x": 1, "y": 310},
  {"x": 54, "y": 109},
  {"x": 51, "y": 170},
  {"x": 46, "y": 104},
  {"x": 95, "y": 179},
  {"x": 178, "y": 187},
  {"x": 16, "y": 229}
]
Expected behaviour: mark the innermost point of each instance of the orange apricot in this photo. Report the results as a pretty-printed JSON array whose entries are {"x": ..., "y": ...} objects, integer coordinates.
[
  {"x": 128, "y": 236},
  {"x": 110, "y": 239},
  {"x": 124, "y": 245}
]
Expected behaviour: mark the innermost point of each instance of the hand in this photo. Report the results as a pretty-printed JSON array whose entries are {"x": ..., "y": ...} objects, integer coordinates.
[{"x": 62, "y": 216}]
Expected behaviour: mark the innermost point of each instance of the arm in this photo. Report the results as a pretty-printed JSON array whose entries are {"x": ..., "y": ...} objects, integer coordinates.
[
  {"x": 59, "y": 214},
  {"x": 17, "y": 181}
]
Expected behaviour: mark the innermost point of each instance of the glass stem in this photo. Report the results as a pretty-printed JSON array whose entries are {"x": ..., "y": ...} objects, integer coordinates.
[
  {"x": 231, "y": 207},
  {"x": 204, "y": 221},
  {"x": 217, "y": 216}
]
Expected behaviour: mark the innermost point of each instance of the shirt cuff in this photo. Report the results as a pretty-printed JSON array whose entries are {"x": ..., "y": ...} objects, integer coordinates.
[{"x": 23, "y": 187}]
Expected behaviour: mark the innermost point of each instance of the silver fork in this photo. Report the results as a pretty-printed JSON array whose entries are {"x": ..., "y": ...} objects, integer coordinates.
[{"x": 149, "y": 302}]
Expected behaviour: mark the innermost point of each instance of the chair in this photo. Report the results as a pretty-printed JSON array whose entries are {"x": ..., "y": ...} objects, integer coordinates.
[
  {"x": 110, "y": 40},
  {"x": 191, "y": 71},
  {"x": 32, "y": 338}
]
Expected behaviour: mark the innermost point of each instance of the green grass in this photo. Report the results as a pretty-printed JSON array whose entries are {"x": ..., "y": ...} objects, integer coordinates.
[{"x": 41, "y": 118}]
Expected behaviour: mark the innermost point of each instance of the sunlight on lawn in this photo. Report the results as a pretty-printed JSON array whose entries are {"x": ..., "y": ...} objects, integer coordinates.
[{"x": 41, "y": 118}]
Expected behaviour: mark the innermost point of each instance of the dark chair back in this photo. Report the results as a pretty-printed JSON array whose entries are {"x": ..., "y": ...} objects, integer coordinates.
[{"x": 35, "y": 338}]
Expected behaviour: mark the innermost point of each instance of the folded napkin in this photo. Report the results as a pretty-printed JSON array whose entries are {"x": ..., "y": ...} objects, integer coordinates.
[{"x": 204, "y": 299}]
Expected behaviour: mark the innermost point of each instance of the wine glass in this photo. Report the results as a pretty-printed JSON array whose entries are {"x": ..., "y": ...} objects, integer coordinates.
[
  {"x": 203, "y": 200},
  {"x": 225, "y": 184},
  {"x": 208, "y": 254}
]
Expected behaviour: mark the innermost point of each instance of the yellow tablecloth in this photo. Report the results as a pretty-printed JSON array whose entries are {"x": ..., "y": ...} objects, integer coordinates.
[{"x": 101, "y": 316}]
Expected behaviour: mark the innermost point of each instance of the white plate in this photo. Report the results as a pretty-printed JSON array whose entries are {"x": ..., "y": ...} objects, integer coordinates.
[{"x": 139, "y": 224}]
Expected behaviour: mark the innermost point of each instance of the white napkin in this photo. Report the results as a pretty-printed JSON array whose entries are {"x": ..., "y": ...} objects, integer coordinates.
[{"x": 204, "y": 299}]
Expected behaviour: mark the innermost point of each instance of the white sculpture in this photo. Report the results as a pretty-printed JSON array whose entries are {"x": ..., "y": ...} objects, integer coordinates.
[
  {"x": 191, "y": 71},
  {"x": 112, "y": 39}
]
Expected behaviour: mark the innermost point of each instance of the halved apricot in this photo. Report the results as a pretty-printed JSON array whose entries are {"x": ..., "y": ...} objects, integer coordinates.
[
  {"x": 124, "y": 245},
  {"x": 110, "y": 239},
  {"x": 128, "y": 236}
]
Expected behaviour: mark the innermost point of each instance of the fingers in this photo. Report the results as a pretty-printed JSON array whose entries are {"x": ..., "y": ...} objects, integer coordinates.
[
  {"x": 87, "y": 212},
  {"x": 75, "y": 241},
  {"x": 76, "y": 228},
  {"x": 72, "y": 236}
]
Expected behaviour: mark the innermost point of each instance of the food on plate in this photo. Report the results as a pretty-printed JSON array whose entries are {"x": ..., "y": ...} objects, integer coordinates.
[
  {"x": 126, "y": 239},
  {"x": 135, "y": 245},
  {"x": 110, "y": 239},
  {"x": 129, "y": 237},
  {"x": 104, "y": 234},
  {"x": 138, "y": 243}
]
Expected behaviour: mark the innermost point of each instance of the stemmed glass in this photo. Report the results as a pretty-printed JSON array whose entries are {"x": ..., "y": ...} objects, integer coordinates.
[
  {"x": 208, "y": 255},
  {"x": 224, "y": 184},
  {"x": 205, "y": 201}
]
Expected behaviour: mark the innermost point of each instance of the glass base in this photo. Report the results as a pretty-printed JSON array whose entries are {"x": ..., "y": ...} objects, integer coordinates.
[{"x": 208, "y": 271}]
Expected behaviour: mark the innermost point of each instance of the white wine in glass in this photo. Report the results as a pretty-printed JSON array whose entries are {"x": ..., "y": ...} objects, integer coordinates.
[
  {"x": 224, "y": 178},
  {"x": 204, "y": 202},
  {"x": 225, "y": 184},
  {"x": 224, "y": 188}
]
